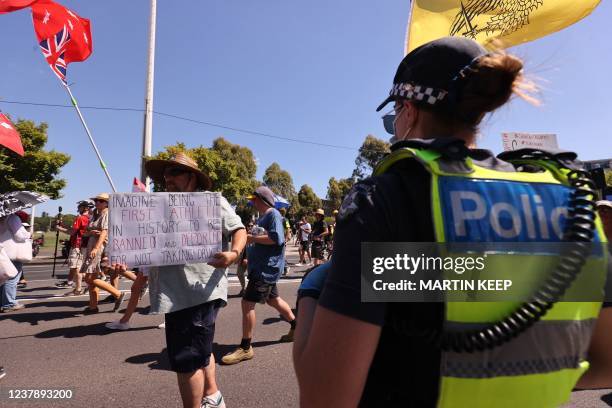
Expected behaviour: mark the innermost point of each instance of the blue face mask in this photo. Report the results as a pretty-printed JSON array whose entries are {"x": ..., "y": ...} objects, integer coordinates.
[{"x": 389, "y": 123}]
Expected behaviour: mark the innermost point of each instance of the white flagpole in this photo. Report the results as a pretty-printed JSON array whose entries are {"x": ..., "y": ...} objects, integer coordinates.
[
  {"x": 102, "y": 164},
  {"x": 408, "y": 27},
  {"x": 32, "y": 215},
  {"x": 148, "y": 115}
]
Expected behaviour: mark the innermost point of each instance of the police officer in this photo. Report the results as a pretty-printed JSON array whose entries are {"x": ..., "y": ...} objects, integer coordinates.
[{"x": 349, "y": 353}]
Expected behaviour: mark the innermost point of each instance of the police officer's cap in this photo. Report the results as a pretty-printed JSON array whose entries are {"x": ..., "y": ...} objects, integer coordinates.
[{"x": 428, "y": 73}]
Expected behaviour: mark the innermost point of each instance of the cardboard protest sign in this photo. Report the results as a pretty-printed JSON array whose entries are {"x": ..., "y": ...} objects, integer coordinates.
[
  {"x": 155, "y": 229},
  {"x": 516, "y": 141}
]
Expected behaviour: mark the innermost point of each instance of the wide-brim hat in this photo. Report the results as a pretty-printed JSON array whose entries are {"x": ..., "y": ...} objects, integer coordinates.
[
  {"x": 320, "y": 212},
  {"x": 155, "y": 169},
  {"x": 101, "y": 196}
]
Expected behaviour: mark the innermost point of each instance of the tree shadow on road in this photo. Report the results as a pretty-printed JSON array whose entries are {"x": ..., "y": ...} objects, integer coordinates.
[
  {"x": 40, "y": 288},
  {"x": 98, "y": 329},
  {"x": 157, "y": 361},
  {"x": 35, "y": 318},
  {"x": 77, "y": 304}
]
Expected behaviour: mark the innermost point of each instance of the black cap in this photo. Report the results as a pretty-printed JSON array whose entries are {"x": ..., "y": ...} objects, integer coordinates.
[
  {"x": 426, "y": 73},
  {"x": 85, "y": 203}
]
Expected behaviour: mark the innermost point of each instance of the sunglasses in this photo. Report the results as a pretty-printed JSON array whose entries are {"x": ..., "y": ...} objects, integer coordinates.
[
  {"x": 174, "y": 171},
  {"x": 99, "y": 201}
]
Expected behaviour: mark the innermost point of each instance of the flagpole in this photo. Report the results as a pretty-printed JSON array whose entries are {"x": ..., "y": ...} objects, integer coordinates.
[
  {"x": 148, "y": 115},
  {"x": 408, "y": 27},
  {"x": 93, "y": 144}
]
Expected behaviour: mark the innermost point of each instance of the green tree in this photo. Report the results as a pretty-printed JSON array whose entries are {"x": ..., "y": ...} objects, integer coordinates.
[
  {"x": 38, "y": 170},
  {"x": 279, "y": 181},
  {"x": 235, "y": 179},
  {"x": 42, "y": 223},
  {"x": 371, "y": 152},
  {"x": 309, "y": 202},
  {"x": 337, "y": 190},
  {"x": 241, "y": 155}
]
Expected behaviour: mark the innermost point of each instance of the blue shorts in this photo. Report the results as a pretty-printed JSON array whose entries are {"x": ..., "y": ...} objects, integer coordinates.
[{"x": 189, "y": 336}]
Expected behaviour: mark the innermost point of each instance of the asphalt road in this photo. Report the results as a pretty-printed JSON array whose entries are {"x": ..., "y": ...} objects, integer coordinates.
[{"x": 52, "y": 345}]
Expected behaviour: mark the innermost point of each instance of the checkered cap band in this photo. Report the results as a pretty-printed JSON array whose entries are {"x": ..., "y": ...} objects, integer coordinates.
[{"x": 414, "y": 92}]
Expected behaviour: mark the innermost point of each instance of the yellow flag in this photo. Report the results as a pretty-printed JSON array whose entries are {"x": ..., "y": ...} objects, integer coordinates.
[{"x": 512, "y": 21}]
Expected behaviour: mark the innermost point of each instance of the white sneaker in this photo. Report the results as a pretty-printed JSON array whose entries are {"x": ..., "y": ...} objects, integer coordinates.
[
  {"x": 217, "y": 402},
  {"x": 117, "y": 325},
  {"x": 162, "y": 326}
]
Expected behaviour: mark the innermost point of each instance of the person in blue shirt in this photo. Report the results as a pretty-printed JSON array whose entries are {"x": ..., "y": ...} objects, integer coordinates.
[{"x": 266, "y": 261}]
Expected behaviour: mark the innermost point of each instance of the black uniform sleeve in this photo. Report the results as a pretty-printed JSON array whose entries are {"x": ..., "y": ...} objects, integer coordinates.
[
  {"x": 360, "y": 220},
  {"x": 608, "y": 288}
]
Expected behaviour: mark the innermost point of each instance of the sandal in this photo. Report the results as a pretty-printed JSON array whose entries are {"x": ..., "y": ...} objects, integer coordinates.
[
  {"x": 90, "y": 310},
  {"x": 75, "y": 292}
]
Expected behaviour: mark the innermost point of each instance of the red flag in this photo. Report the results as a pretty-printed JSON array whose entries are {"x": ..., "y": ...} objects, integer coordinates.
[
  {"x": 63, "y": 36},
  {"x": 6, "y": 6},
  {"x": 138, "y": 186},
  {"x": 9, "y": 137}
]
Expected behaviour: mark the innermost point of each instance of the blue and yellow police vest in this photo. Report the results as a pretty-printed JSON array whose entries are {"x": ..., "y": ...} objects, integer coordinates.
[{"x": 472, "y": 203}]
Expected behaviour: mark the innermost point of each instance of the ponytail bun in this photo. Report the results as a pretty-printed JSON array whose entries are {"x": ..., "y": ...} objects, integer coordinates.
[{"x": 490, "y": 84}]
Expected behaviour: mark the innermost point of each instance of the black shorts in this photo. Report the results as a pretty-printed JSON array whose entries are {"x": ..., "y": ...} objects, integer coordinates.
[
  {"x": 189, "y": 336},
  {"x": 259, "y": 291},
  {"x": 305, "y": 245},
  {"x": 317, "y": 250}
]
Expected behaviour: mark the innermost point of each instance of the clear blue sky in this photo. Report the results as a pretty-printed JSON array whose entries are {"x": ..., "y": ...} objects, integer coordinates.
[{"x": 308, "y": 70}]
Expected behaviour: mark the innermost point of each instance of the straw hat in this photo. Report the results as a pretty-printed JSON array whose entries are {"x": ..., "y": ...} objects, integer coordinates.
[
  {"x": 101, "y": 196},
  {"x": 155, "y": 169},
  {"x": 320, "y": 212}
]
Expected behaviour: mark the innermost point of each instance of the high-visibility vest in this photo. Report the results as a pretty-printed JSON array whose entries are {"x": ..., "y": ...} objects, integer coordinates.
[{"x": 540, "y": 367}]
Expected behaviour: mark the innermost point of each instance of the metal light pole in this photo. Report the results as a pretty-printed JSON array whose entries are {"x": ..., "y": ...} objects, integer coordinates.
[{"x": 148, "y": 115}]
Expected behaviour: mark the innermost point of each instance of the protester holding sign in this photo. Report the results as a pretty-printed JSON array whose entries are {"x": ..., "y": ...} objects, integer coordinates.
[{"x": 191, "y": 294}]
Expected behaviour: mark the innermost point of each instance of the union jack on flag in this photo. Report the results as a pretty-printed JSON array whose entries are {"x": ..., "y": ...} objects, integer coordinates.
[{"x": 53, "y": 49}]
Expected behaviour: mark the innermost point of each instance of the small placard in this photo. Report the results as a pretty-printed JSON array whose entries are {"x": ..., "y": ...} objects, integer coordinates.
[{"x": 156, "y": 229}]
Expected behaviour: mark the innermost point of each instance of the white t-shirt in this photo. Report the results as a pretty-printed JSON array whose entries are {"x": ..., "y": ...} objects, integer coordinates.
[{"x": 304, "y": 232}]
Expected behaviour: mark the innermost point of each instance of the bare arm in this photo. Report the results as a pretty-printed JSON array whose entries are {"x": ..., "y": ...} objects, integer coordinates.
[
  {"x": 326, "y": 344},
  {"x": 101, "y": 239},
  {"x": 260, "y": 239}
]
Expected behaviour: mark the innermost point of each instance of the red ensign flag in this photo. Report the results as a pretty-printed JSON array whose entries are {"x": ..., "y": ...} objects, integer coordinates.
[
  {"x": 9, "y": 137},
  {"x": 138, "y": 186},
  {"x": 6, "y": 6},
  {"x": 63, "y": 36}
]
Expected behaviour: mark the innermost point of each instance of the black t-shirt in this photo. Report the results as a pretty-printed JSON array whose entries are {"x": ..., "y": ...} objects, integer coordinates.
[
  {"x": 395, "y": 206},
  {"x": 318, "y": 227}
]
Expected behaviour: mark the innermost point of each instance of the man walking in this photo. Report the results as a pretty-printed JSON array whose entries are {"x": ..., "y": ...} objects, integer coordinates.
[
  {"x": 319, "y": 231},
  {"x": 304, "y": 231},
  {"x": 266, "y": 259},
  {"x": 75, "y": 256},
  {"x": 191, "y": 295}
]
